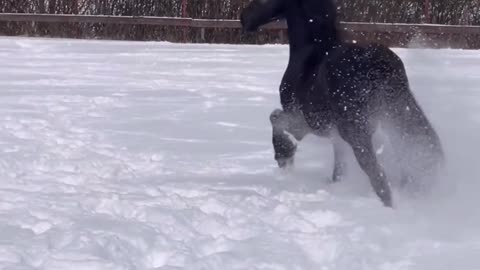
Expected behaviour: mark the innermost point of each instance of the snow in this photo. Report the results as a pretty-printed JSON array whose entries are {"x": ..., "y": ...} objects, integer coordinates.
[{"x": 145, "y": 155}]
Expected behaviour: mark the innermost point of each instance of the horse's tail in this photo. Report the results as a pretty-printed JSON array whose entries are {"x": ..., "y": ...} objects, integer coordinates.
[{"x": 411, "y": 131}]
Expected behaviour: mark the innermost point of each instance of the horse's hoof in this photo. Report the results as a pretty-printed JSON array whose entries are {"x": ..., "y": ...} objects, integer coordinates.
[
  {"x": 386, "y": 197},
  {"x": 337, "y": 178},
  {"x": 388, "y": 203},
  {"x": 406, "y": 180},
  {"x": 275, "y": 115},
  {"x": 338, "y": 172},
  {"x": 284, "y": 163}
]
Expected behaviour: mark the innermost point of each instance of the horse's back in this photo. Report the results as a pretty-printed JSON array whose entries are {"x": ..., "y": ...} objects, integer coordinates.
[{"x": 373, "y": 63}]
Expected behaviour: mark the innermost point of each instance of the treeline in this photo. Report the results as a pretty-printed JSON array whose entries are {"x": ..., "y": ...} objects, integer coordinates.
[
  {"x": 465, "y": 12},
  {"x": 393, "y": 11},
  {"x": 452, "y": 12}
]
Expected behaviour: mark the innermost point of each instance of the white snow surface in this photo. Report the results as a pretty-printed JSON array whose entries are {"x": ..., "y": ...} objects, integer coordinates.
[{"x": 147, "y": 155}]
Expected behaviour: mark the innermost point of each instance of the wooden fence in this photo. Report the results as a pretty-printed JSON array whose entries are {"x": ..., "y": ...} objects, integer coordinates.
[{"x": 390, "y": 34}]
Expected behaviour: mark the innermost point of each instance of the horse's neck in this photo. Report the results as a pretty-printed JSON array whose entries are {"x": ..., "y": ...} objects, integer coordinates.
[
  {"x": 308, "y": 52},
  {"x": 319, "y": 42}
]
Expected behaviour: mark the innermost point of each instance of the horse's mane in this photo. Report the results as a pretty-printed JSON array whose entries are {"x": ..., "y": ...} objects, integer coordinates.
[{"x": 323, "y": 24}]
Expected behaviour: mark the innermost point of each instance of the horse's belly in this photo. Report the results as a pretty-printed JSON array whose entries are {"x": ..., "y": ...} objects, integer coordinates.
[{"x": 319, "y": 121}]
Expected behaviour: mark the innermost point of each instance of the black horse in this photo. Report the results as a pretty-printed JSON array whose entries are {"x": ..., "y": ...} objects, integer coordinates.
[{"x": 334, "y": 87}]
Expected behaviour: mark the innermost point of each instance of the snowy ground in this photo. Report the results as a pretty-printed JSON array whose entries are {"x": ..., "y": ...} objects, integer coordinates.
[{"x": 133, "y": 155}]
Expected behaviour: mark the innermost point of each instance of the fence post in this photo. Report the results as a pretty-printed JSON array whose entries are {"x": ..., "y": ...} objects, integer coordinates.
[{"x": 281, "y": 36}]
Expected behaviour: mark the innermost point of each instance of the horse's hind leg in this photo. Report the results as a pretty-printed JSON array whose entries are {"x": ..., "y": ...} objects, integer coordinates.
[
  {"x": 360, "y": 139},
  {"x": 286, "y": 130}
]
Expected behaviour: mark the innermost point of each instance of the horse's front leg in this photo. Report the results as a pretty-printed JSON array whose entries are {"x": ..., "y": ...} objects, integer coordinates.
[
  {"x": 287, "y": 130},
  {"x": 340, "y": 149},
  {"x": 339, "y": 155}
]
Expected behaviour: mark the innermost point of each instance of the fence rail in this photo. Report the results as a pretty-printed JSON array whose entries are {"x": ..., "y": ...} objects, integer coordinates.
[
  {"x": 234, "y": 24},
  {"x": 228, "y": 31}
]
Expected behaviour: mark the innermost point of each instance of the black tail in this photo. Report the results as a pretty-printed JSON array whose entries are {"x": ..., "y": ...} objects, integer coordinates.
[{"x": 417, "y": 143}]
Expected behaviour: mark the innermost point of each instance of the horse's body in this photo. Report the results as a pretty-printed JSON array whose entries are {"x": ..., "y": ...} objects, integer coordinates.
[{"x": 331, "y": 87}]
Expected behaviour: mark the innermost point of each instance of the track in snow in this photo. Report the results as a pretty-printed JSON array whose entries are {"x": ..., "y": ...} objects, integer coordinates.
[{"x": 136, "y": 155}]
